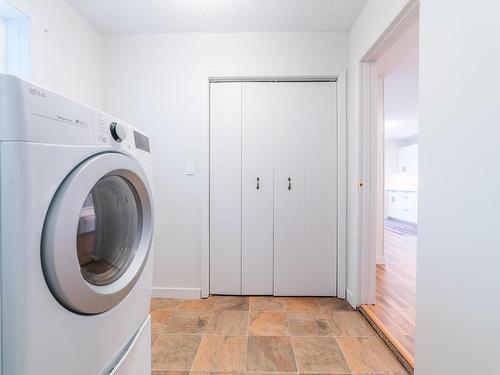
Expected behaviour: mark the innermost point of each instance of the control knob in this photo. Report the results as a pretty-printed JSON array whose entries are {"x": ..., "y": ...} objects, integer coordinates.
[{"x": 118, "y": 132}]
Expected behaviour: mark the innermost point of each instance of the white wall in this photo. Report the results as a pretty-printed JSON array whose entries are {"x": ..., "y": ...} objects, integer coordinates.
[
  {"x": 65, "y": 50},
  {"x": 155, "y": 81},
  {"x": 2, "y": 46},
  {"x": 458, "y": 263},
  {"x": 371, "y": 23},
  {"x": 399, "y": 67}
]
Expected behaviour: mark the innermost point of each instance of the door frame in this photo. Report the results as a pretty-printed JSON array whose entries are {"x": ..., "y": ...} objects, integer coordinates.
[
  {"x": 372, "y": 154},
  {"x": 340, "y": 79}
]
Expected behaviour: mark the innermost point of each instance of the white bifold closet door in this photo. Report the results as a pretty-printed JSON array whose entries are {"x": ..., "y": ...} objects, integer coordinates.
[
  {"x": 241, "y": 188},
  {"x": 225, "y": 188},
  {"x": 257, "y": 188},
  {"x": 273, "y": 188},
  {"x": 305, "y": 201}
]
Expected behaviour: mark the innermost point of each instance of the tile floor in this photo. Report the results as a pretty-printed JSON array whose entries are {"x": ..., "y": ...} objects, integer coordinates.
[{"x": 257, "y": 335}]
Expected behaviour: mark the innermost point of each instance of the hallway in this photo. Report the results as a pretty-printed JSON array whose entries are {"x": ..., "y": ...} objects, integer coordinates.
[{"x": 396, "y": 285}]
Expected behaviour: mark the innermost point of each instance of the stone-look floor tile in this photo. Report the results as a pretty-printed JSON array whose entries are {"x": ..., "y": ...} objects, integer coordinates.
[
  {"x": 369, "y": 355},
  {"x": 319, "y": 354},
  {"x": 161, "y": 310},
  {"x": 305, "y": 323},
  {"x": 268, "y": 323},
  {"x": 186, "y": 322},
  {"x": 232, "y": 303},
  {"x": 267, "y": 303},
  {"x": 221, "y": 353},
  {"x": 241, "y": 373},
  {"x": 333, "y": 304},
  {"x": 153, "y": 338},
  {"x": 228, "y": 322},
  {"x": 192, "y": 314},
  {"x": 206, "y": 304},
  {"x": 301, "y": 304},
  {"x": 160, "y": 317},
  {"x": 174, "y": 352},
  {"x": 165, "y": 303},
  {"x": 349, "y": 323},
  {"x": 270, "y": 354}
]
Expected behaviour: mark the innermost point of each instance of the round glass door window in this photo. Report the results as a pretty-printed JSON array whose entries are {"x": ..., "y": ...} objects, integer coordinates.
[{"x": 109, "y": 230}]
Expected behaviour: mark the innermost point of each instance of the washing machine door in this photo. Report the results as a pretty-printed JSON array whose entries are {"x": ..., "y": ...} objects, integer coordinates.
[{"x": 97, "y": 233}]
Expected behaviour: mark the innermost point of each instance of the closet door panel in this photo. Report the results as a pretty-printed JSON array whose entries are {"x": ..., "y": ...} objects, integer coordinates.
[
  {"x": 320, "y": 193},
  {"x": 257, "y": 188},
  {"x": 225, "y": 188},
  {"x": 289, "y": 255}
]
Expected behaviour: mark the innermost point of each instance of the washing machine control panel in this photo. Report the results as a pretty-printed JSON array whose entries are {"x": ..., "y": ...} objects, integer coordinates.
[
  {"x": 35, "y": 114},
  {"x": 102, "y": 125},
  {"x": 111, "y": 131}
]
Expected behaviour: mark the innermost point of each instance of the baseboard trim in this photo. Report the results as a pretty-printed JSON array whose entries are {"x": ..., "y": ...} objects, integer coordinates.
[
  {"x": 403, "y": 356},
  {"x": 184, "y": 293},
  {"x": 350, "y": 298}
]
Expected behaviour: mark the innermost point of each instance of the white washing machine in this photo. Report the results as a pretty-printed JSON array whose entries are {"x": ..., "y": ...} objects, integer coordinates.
[{"x": 75, "y": 233}]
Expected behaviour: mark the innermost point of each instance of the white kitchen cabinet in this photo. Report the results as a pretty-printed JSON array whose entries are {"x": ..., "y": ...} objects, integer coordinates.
[
  {"x": 408, "y": 159},
  {"x": 393, "y": 203},
  {"x": 409, "y": 207},
  {"x": 402, "y": 205},
  {"x": 273, "y": 188}
]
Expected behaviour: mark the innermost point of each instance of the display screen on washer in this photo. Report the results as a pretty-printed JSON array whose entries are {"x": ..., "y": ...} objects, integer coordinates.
[
  {"x": 141, "y": 142},
  {"x": 109, "y": 228}
]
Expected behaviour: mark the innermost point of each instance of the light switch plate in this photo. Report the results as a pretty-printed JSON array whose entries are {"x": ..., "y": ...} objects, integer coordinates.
[{"x": 189, "y": 168}]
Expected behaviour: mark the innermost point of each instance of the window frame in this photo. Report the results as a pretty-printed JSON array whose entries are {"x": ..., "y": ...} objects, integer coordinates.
[{"x": 17, "y": 41}]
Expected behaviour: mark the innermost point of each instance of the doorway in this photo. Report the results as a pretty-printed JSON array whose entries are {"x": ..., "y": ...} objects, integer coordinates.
[{"x": 393, "y": 195}]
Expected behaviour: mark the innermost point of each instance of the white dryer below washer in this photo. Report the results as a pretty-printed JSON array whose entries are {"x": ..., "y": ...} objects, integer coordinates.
[{"x": 75, "y": 234}]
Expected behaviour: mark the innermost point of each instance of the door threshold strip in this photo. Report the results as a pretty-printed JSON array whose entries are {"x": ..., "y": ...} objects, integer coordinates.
[{"x": 403, "y": 356}]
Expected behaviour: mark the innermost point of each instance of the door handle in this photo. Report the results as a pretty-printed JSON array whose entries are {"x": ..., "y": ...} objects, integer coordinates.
[
  {"x": 289, "y": 183},
  {"x": 258, "y": 183}
]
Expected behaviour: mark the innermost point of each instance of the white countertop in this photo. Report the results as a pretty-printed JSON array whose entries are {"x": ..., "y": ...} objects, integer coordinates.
[{"x": 404, "y": 190}]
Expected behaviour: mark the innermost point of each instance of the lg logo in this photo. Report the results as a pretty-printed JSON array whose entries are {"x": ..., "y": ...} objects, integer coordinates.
[{"x": 36, "y": 92}]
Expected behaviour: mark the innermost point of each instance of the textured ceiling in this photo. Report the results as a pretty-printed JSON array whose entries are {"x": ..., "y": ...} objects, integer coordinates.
[{"x": 150, "y": 16}]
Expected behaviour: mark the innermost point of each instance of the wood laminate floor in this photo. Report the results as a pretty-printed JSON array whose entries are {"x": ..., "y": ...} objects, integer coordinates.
[
  {"x": 396, "y": 285},
  {"x": 257, "y": 335}
]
